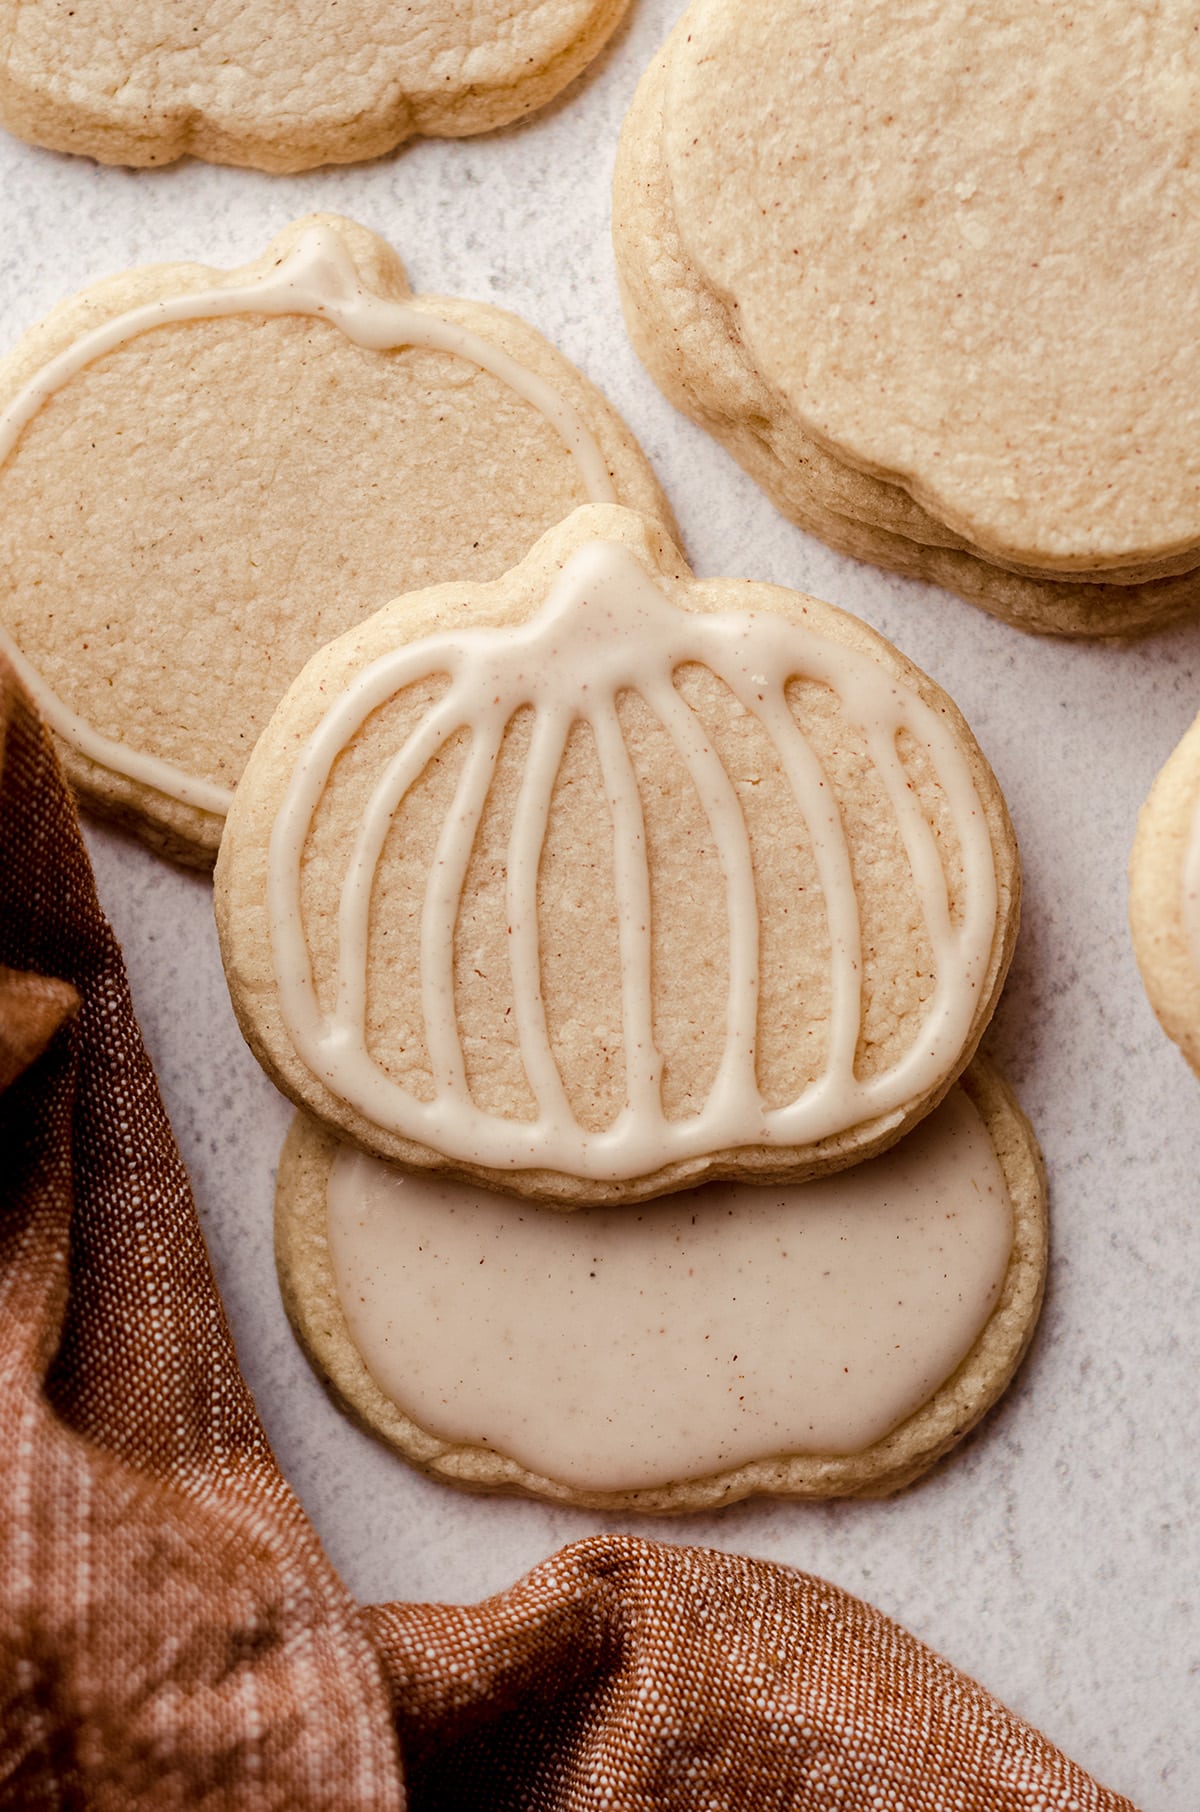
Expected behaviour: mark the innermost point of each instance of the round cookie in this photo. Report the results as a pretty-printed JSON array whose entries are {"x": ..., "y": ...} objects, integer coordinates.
[
  {"x": 717, "y": 1344},
  {"x": 1164, "y": 896},
  {"x": 600, "y": 880},
  {"x": 204, "y": 476},
  {"x": 908, "y": 307},
  {"x": 282, "y": 88}
]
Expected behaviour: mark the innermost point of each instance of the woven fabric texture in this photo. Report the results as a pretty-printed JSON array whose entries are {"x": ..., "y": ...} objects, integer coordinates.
[{"x": 171, "y": 1632}]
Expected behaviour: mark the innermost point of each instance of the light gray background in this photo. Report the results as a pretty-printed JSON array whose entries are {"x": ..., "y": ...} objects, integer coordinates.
[{"x": 1055, "y": 1556}]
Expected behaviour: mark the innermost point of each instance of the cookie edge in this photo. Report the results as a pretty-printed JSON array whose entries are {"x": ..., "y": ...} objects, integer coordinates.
[{"x": 1160, "y": 942}]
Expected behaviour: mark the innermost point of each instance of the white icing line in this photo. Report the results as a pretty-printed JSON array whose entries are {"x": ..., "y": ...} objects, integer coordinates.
[
  {"x": 631, "y": 877},
  {"x": 831, "y": 853},
  {"x": 135, "y": 764},
  {"x": 526, "y": 842},
  {"x": 919, "y": 843},
  {"x": 354, "y": 907},
  {"x": 439, "y": 912},
  {"x": 736, "y": 1083}
]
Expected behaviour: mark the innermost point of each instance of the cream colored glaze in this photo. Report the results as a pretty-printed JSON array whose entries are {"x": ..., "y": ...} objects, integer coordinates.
[
  {"x": 1190, "y": 903},
  {"x": 607, "y": 627},
  {"x": 617, "y": 1348},
  {"x": 318, "y": 277}
]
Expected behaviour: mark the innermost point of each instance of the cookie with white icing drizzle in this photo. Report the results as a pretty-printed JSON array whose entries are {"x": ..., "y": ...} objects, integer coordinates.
[
  {"x": 206, "y": 475},
  {"x": 282, "y": 88},
  {"x": 1164, "y": 896},
  {"x": 889, "y": 255},
  {"x": 600, "y": 880},
  {"x": 832, "y": 1338}
]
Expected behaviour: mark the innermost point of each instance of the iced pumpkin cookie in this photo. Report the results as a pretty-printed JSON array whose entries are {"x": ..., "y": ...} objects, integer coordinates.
[
  {"x": 282, "y": 87},
  {"x": 206, "y": 475},
  {"x": 1164, "y": 896},
  {"x": 929, "y": 274},
  {"x": 825, "y": 1339},
  {"x": 600, "y": 880}
]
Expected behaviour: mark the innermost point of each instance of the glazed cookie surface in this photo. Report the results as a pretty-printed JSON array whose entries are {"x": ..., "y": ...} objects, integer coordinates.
[
  {"x": 600, "y": 880},
  {"x": 723, "y": 1342},
  {"x": 944, "y": 310},
  {"x": 1164, "y": 896},
  {"x": 282, "y": 88},
  {"x": 205, "y": 475}
]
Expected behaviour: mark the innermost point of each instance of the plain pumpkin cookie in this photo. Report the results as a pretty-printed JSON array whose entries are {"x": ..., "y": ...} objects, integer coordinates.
[
  {"x": 282, "y": 87},
  {"x": 600, "y": 880},
  {"x": 205, "y": 475},
  {"x": 929, "y": 273},
  {"x": 827, "y": 1339},
  {"x": 1164, "y": 896}
]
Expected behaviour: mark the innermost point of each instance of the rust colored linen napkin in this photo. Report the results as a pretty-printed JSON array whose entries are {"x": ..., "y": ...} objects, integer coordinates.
[{"x": 171, "y": 1631}]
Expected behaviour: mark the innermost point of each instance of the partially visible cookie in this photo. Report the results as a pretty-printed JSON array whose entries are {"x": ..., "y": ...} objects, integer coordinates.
[
  {"x": 282, "y": 87},
  {"x": 1164, "y": 896},
  {"x": 599, "y": 880},
  {"x": 829, "y": 1340},
  {"x": 898, "y": 259},
  {"x": 205, "y": 475}
]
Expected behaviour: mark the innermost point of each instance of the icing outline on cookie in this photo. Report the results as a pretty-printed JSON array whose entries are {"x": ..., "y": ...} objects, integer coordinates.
[
  {"x": 607, "y": 627},
  {"x": 318, "y": 277}
]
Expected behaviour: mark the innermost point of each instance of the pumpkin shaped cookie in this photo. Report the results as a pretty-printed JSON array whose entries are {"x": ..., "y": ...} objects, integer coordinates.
[
  {"x": 1164, "y": 896},
  {"x": 204, "y": 476},
  {"x": 929, "y": 274},
  {"x": 282, "y": 87},
  {"x": 826, "y": 1339},
  {"x": 599, "y": 880}
]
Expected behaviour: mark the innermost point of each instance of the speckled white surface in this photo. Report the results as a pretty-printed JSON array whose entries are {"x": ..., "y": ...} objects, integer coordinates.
[{"x": 1056, "y": 1555}]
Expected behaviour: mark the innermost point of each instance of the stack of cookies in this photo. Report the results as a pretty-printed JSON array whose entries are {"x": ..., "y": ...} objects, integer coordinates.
[{"x": 930, "y": 275}]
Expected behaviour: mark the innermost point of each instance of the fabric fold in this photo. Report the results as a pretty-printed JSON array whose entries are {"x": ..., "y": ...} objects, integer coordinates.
[
  {"x": 632, "y": 1674},
  {"x": 172, "y": 1633}
]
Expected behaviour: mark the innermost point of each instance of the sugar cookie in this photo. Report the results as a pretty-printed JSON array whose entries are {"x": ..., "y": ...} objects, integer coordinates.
[
  {"x": 600, "y": 880},
  {"x": 282, "y": 88},
  {"x": 829, "y": 1339},
  {"x": 1164, "y": 896},
  {"x": 929, "y": 273},
  {"x": 206, "y": 475}
]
